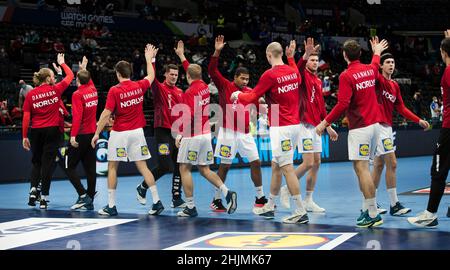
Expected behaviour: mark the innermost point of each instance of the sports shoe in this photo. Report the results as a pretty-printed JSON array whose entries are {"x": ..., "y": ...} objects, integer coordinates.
[
  {"x": 43, "y": 204},
  {"x": 187, "y": 212},
  {"x": 178, "y": 203},
  {"x": 368, "y": 222},
  {"x": 311, "y": 206},
  {"x": 265, "y": 211},
  {"x": 157, "y": 208},
  {"x": 33, "y": 197},
  {"x": 108, "y": 211},
  {"x": 424, "y": 220},
  {"x": 285, "y": 197},
  {"x": 260, "y": 202},
  {"x": 140, "y": 194},
  {"x": 399, "y": 210},
  {"x": 89, "y": 207},
  {"x": 231, "y": 199},
  {"x": 217, "y": 206},
  {"x": 381, "y": 211},
  {"x": 296, "y": 218},
  {"x": 82, "y": 201}
]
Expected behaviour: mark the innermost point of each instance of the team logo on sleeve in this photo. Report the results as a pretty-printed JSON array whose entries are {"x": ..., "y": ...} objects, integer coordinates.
[
  {"x": 121, "y": 152},
  {"x": 192, "y": 156},
  {"x": 364, "y": 150},
  {"x": 163, "y": 149},
  {"x": 286, "y": 145},
  {"x": 307, "y": 144},
  {"x": 210, "y": 156},
  {"x": 225, "y": 151},
  {"x": 387, "y": 144},
  {"x": 144, "y": 150}
]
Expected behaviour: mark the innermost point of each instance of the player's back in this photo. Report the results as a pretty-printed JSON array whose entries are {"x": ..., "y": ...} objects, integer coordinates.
[
  {"x": 363, "y": 108},
  {"x": 284, "y": 92}
]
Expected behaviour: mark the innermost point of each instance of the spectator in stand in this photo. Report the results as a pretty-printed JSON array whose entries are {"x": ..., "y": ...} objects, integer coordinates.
[
  {"x": 136, "y": 64},
  {"x": 46, "y": 45},
  {"x": 417, "y": 104},
  {"x": 203, "y": 41},
  {"x": 435, "y": 111},
  {"x": 24, "y": 89},
  {"x": 75, "y": 46},
  {"x": 87, "y": 32},
  {"x": 58, "y": 46},
  {"x": 105, "y": 32},
  {"x": 5, "y": 118},
  {"x": 95, "y": 32}
]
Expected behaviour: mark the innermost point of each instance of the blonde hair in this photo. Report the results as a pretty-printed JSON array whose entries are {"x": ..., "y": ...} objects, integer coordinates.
[
  {"x": 41, "y": 76},
  {"x": 275, "y": 49},
  {"x": 195, "y": 71}
]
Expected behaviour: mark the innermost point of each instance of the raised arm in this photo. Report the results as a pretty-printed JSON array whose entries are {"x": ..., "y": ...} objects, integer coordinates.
[
  {"x": 150, "y": 53},
  {"x": 290, "y": 51},
  {"x": 61, "y": 86},
  {"x": 179, "y": 51},
  {"x": 264, "y": 84},
  {"x": 213, "y": 69}
]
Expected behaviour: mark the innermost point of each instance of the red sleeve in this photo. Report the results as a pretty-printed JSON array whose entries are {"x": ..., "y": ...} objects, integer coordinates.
[
  {"x": 375, "y": 64},
  {"x": 301, "y": 64},
  {"x": 111, "y": 100},
  {"x": 213, "y": 70},
  {"x": 144, "y": 84},
  {"x": 27, "y": 104},
  {"x": 25, "y": 124},
  {"x": 61, "y": 86},
  {"x": 264, "y": 85},
  {"x": 401, "y": 108},
  {"x": 77, "y": 114},
  {"x": 344, "y": 97},
  {"x": 291, "y": 63},
  {"x": 185, "y": 65}
]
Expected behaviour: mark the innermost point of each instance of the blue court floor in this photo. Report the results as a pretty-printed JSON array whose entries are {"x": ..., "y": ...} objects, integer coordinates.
[{"x": 337, "y": 191}]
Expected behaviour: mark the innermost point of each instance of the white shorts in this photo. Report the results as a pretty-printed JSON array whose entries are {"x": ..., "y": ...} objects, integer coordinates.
[
  {"x": 196, "y": 150},
  {"x": 129, "y": 145},
  {"x": 310, "y": 141},
  {"x": 385, "y": 143},
  {"x": 362, "y": 142},
  {"x": 283, "y": 141},
  {"x": 230, "y": 142}
]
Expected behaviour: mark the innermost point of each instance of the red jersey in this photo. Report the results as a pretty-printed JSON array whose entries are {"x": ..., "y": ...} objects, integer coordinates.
[
  {"x": 231, "y": 113},
  {"x": 84, "y": 109},
  {"x": 164, "y": 98},
  {"x": 281, "y": 85},
  {"x": 312, "y": 104},
  {"x": 197, "y": 98},
  {"x": 357, "y": 95},
  {"x": 389, "y": 97},
  {"x": 445, "y": 88},
  {"x": 42, "y": 104},
  {"x": 126, "y": 101}
]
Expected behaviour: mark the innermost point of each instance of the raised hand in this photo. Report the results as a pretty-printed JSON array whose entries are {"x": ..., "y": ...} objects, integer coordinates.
[
  {"x": 149, "y": 52},
  {"x": 290, "y": 50},
  {"x": 179, "y": 50},
  {"x": 83, "y": 63},
  {"x": 60, "y": 58},
  {"x": 378, "y": 47},
  {"x": 219, "y": 44},
  {"x": 447, "y": 33},
  {"x": 310, "y": 48}
]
